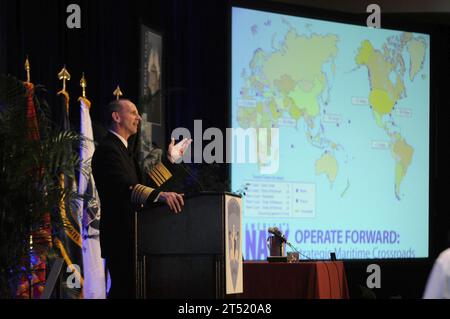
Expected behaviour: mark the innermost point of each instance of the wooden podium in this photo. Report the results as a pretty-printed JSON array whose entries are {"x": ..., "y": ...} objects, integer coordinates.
[{"x": 193, "y": 254}]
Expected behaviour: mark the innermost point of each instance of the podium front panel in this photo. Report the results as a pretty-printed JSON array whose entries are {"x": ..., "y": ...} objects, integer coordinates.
[
  {"x": 182, "y": 255},
  {"x": 198, "y": 229}
]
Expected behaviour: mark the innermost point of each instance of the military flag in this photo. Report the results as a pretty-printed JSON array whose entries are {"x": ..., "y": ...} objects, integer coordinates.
[
  {"x": 32, "y": 285},
  {"x": 89, "y": 208},
  {"x": 69, "y": 241}
]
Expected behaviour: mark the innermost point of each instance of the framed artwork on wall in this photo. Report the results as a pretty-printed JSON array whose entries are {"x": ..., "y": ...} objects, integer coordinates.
[{"x": 151, "y": 99}]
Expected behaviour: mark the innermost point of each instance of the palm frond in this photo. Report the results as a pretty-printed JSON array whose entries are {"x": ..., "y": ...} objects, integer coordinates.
[{"x": 30, "y": 176}]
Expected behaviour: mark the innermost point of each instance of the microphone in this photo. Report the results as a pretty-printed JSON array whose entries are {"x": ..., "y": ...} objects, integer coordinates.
[{"x": 277, "y": 233}]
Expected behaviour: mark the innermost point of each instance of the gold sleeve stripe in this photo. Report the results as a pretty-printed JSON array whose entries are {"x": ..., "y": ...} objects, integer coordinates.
[
  {"x": 160, "y": 176},
  {"x": 134, "y": 193},
  {"x": 140, "y": 193},
  {"x": 163, "y": 170},
  {"x": 155, "y": 178}
]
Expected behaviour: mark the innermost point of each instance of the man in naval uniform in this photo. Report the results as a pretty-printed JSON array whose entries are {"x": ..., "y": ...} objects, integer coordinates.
[{"x": 122, "y": 192}]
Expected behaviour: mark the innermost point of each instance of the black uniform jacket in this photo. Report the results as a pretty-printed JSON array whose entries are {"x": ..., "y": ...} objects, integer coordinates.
[{"x": 121, "y": 191}]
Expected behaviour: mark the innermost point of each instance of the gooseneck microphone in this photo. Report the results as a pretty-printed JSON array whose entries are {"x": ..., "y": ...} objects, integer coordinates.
[{"x": 277, "y": 233}]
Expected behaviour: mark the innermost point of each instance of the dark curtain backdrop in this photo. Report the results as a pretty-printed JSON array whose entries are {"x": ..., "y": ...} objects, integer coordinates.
[
  {"x": 107, "y": 50},
  {"x": 2, "y": 36}
]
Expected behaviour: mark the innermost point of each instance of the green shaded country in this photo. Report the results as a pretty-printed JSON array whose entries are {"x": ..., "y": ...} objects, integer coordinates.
[
  {"x": 265, "y": 120},
  {"x": 416, "y": 49},
  {"x": 308, "y": 101},
  {"x": 327, "y": 165},
  {"x": 378, "y": 120},
  {"x": 302, "y": 58},
  {"x": 346, "y": 189},
  {"x": 402, "y": 153},
  {"x": 287, "y": 102},
  {"x": 259, "y": 108}
]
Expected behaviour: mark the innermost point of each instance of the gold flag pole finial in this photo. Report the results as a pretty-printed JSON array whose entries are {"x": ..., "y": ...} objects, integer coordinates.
[
  {"x": 64, "y": 75},
  {"x": 117, "y": 92},
  {"x": 83, "y": 84},
  {"x": 83, "y": 98},
  {"x": 27, "y": 68}
]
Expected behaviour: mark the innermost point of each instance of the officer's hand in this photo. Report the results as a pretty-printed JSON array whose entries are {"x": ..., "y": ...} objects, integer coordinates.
[
  {"x": 176, "y": 151},
  {"x": 173, "y": 200}
]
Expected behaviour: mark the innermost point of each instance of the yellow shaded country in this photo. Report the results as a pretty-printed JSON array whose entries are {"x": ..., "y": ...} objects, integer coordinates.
[
  {"x": 274, "y": 110},
  {"x": 265, "y": 120},
  {"x": 295, "y": 112},
  {"x": 381, "y": 101},
  {"x": 259, "y": 107},
  {"x": 364, "y": 53},
  {"x": 327, "y": 165}
]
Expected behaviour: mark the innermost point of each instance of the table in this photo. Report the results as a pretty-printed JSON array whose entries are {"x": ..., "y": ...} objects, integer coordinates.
[{"x": 300, "y": 280}]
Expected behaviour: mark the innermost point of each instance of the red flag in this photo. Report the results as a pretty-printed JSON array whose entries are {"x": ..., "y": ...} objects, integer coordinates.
[{"x": 40, "y": 239}]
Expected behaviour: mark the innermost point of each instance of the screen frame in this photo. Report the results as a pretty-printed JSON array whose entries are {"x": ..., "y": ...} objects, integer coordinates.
[{"x": 396, "y": 22}]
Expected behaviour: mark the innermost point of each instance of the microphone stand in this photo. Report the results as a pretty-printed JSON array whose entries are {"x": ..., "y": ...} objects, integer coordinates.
[
  {"x": 290, "y": 245},
  {"x": 192, "y": 176}
]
